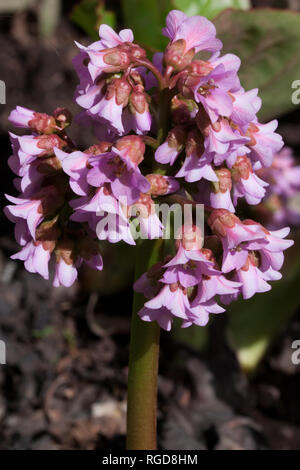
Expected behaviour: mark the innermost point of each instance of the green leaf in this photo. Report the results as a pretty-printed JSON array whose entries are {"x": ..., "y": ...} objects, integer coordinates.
[
  {"x": 267, "y": 41},
  {"x": 255, "y": 323},
  {"x": 147, "y": 18},
  {"x": 89, "y": 14},
  {"x": 209, "y": 8}
]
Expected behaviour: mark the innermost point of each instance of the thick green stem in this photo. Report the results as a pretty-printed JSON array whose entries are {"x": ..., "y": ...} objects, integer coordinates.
[{"x": 143, "y": 362}]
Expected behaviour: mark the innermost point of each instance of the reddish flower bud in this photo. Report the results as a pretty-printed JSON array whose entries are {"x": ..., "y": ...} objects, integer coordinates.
[
  {"x": 97, "y": 149},
  {"x": 220, "y": 219},
  {"x": 176, "y": 57},
  {"x": 48, "y": 142},
  {"x": 138, "y": 102},
  {"x": 143, "y": 207},
  {"x": 42, "y": 123},
  {"x": 132, "y": 147},
  {"x": 120, "y": 88},
  {"x": 63, "y": 117},
  {"x": 225, "y": 182},
  {"x": 242, "y": 168},
  {"x": 159, "y": 184},
  {"x": 118, "y": 58},
  {"x": 191, "y": 237}
]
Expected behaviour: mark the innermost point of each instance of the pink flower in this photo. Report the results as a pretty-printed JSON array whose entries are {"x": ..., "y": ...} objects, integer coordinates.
[
  {"x": 35, "y": 257},
  {"x": 124, "y": 177},
  {"x": 20, "y": 117},
  {"x": 75, "y": 165},
  {"x": 246, "y": 183},
  {"x": 35, "y": 209},
  {"x": 197, "y": 32},
  {"x": 265, "y": 142}
]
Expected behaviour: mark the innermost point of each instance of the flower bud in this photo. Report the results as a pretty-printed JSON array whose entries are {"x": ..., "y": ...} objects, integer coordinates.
[
  {"x": 138, "y": 102},
  {"x": 42, "y": 123},
  {"x": 48, "y": 142},
  {"x": 63, "y": 117},
  {"x": 117, "y": 58},
  {"x": 176, "y": 57},
  {"x": 225, "y": 183},
  {"x": 221, "y": 219},
  {"x": 161, "y": 185},
  {"x": 120, "y": 89},
  {"x": 242, "y": 168},
  {"x": 131, "y": 147},
  {"x": 97, "y": 149},
  {"x": 190, "y": 236},
  {"x": 143, "y": 207}
]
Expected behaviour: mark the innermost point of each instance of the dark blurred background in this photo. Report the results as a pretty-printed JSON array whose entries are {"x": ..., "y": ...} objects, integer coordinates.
[{"x": 64, "y": 384}]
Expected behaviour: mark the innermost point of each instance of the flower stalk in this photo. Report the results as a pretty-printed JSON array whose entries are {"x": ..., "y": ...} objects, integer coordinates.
[{"x": 143, "y": 362}]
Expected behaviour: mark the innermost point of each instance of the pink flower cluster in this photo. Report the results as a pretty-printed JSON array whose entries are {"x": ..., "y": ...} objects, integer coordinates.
[
  {"x": 280, "y": 205},
  {"x": 177, "y": 128}
]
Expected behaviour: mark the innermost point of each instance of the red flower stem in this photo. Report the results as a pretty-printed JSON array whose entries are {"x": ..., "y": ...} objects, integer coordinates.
[
  {"x": 143, "y": 361},
  {"x": 148, "y": 64}
]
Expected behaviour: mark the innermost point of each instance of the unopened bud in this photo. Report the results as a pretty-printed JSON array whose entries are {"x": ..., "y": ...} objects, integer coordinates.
[
  {"x": 48, "y": 233},
  {"x": 225, "y": 183},
  {"x": 191, "y": 237},
  {"x": 143, "y": 207},
  {"x": 120, "y": 89},
  {"x": 220, "y": 220},
  {"x": 131, "y": 147},
  {"x": 48, "y": 142},
  {"x": 63, "y": 117},
  {"x": 176, "y": 55},
  {"x": 118, "y": 58},
  {"x": 138, "y": 102},
  {"x": 242, "y": 168},
  {"x": 97, "y": 149},
  {"x": 161, "y": 185},
  {"x": 42, "y": 123}
]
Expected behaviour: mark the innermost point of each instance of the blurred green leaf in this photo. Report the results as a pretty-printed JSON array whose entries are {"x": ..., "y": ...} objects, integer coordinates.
[
  {"x": 254, "y": 324},
  {"x": 89, "y": 14},
  {"x": 147, "y": 18},
  {"x": 267, "y": 41},
  {"x": 209, "y": 8},
  {"x": 49, "y": 13}
]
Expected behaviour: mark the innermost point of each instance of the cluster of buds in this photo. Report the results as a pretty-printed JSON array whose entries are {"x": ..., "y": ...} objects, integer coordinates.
[{"x": 179, "y": 128}]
